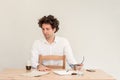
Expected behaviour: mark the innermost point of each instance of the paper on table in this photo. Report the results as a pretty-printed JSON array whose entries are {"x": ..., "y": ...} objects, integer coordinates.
[
  {"x": 34, "y": 73},
  {"x": 64, "y": 72}
]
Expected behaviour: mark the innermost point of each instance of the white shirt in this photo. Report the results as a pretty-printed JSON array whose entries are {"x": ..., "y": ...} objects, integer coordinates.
[{"x": 60, "y": 46}]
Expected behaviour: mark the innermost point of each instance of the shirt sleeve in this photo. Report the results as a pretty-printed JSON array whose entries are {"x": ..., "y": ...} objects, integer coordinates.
[
  {"x": 34, "y": 56},
  {"x": 69, "y": 54}
]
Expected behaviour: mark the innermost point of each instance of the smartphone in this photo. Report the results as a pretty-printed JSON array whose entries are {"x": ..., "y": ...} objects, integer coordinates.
[{"x": 90, "y": 70}]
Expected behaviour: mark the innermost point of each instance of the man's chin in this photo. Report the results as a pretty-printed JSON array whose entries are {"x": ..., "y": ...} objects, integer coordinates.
[{"x": 47, "y": 37}]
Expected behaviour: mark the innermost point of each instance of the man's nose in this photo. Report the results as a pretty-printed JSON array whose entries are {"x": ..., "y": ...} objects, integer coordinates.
[{"x": 45, "y": 31}]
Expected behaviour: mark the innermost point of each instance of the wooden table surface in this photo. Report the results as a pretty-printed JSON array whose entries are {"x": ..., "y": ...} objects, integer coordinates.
[{"x": 15, "y": 74}]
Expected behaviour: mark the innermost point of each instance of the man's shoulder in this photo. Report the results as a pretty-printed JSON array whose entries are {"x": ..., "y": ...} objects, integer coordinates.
[{"x": 61, "y": 38}]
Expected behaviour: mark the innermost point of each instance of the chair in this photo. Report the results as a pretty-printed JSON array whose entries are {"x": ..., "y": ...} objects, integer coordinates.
[{"x": 53, "y": 57}]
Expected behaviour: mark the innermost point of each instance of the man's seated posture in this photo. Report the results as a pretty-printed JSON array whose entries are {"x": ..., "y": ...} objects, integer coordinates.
[{"x": 50, "y": 44}]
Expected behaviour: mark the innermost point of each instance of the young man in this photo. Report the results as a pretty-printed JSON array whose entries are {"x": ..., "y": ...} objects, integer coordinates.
[{"x": 51, "y": 44}]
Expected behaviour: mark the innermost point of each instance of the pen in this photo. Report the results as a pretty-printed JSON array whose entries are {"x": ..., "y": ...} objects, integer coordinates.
[{"x": 67, "y": 70}]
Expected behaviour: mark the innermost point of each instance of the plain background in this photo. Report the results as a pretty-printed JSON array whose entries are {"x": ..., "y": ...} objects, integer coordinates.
[{"x": 91, "y": 26}]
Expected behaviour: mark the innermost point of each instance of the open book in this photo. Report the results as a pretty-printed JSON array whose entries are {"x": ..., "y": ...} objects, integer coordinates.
[{"x": 35, "y": 73}]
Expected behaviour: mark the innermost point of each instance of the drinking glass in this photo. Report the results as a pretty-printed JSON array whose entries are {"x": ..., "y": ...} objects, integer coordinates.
[
  {"x": 79, "y": 66},
  {"x": 28, "y": 66}
]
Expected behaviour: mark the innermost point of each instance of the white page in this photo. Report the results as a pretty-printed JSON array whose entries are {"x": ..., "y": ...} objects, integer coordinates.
[
  {"x": 64, "y": 72},
  {"x": 35, "y": 73}
]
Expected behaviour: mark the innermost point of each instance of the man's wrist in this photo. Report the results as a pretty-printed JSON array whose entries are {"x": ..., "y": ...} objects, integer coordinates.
[{"x": 39, "y": 65}]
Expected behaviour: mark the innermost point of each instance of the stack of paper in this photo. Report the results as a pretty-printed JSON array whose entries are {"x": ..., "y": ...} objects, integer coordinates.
[{"x": 35, "y": 73}]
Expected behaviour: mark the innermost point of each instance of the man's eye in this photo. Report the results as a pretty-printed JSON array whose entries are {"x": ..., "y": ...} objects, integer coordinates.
[{"x": 47, "y": 29}]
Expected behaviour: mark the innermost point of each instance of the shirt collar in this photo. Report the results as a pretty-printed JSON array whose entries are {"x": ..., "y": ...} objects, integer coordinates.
[{"x": 55, "y": 41}]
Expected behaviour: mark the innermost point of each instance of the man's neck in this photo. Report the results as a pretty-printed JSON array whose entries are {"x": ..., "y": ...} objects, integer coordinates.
[{"x": 51, "y": 39}]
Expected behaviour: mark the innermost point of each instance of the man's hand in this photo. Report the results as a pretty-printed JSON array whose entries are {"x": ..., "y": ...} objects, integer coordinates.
[
  {"x": 78, "y": 66},
  {"x": 43, "y": 68},
  {"x": 81, "y": 65}
]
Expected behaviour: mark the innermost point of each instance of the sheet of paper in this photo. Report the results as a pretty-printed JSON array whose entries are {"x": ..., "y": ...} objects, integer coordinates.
[
  {"x": 35, "y": 73},
  {"x": 64, "y": 72}
]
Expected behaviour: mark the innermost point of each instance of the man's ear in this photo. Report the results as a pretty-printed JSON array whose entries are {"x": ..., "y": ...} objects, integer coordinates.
[{"x": 54, "y": 30}]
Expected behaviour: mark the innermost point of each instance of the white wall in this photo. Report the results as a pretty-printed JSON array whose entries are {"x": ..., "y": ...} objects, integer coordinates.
[{"x": 91, "y": 26}]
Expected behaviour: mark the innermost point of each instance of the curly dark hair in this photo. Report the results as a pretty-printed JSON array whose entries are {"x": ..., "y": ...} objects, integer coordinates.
[{"x": 50, "y": 19}]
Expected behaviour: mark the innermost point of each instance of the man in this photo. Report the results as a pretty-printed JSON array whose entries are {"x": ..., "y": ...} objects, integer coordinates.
[{"x": 51, "y": 44}]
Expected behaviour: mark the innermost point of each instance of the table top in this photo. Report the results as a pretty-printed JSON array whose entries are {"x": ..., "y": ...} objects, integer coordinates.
[{"x": 15, "y": 74}]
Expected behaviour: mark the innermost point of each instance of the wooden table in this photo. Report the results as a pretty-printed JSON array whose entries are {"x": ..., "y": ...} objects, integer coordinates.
[{"x": 15, "y": 74}]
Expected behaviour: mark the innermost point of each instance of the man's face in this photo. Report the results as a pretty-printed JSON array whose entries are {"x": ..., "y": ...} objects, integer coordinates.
[{"x": 47, "y": 30}]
